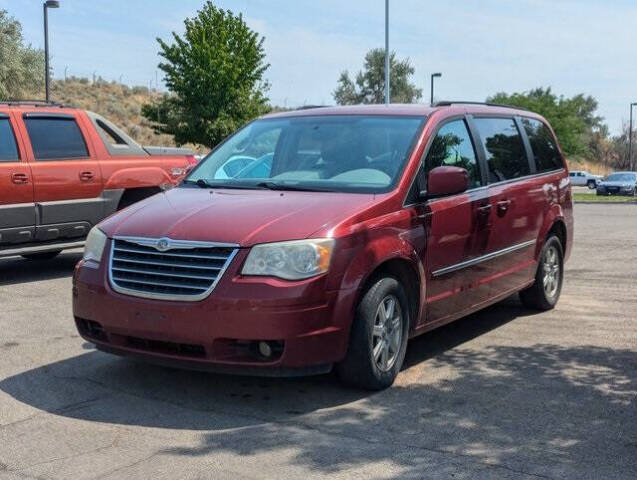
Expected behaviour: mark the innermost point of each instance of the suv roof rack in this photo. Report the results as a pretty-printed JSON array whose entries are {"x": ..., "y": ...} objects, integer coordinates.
[
  {"x": 448, "y": 103},
  {"x": 34, "y": 103}
]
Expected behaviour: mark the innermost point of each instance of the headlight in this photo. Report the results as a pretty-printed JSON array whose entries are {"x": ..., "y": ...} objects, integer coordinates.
[
  {"x": 290, "y": 260},
  {"x": 94, "y": 246}
]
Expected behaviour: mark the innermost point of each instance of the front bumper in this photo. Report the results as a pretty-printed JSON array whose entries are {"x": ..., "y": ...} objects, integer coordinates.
[
  {"x": 309, "y": 322},
  {"x": 601, "y": 190}
]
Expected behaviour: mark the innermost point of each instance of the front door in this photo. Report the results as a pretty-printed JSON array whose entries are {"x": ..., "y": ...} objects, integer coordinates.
[
  {"x": 456, "y": 228},
  {"x": 17, "y": 210},
  {"x": 67, "y": 178}
]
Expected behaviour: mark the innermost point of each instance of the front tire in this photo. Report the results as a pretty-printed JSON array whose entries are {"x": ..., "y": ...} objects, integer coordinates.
[
  {"x": 378, "y": 340},
  {"x": 546, "y": 290},
  {"x": 592, "y": 184}
]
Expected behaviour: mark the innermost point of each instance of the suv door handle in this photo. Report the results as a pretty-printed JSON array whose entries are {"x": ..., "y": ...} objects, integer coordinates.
[
  {"x": 86, "y": 176},
  {"x": 19, "y": 178}
]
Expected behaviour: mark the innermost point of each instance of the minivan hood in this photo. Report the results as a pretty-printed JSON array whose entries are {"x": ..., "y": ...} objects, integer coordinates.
[{"x": 243, "y": 217}]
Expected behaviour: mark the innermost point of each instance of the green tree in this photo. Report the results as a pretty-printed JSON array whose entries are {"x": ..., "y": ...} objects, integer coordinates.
[
  {"x": 21, "y": 66},
  {"x": 215, "y": 78},
  {"x": 369, "y": 86},
  {"x": 574, "y": 119}
]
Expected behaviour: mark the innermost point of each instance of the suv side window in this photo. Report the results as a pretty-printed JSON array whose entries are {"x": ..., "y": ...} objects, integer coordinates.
[
  {"x": 547, "y": 156},
  {"x": 54, "y": 138},
  {"x": 452, "y": 146},
  {"x": 8, "y": 147},
  {"x": 506, "y": 157}
]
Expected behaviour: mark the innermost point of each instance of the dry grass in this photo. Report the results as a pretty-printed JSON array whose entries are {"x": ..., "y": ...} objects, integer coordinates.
[
  {"x": 594, "y": 168},
  {"x": 119, "y": 103}
]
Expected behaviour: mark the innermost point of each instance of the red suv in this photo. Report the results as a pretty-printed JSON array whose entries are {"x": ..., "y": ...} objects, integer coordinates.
[
  {"x": 327, "y": 237},
  {"x": 63, "y": 170}
]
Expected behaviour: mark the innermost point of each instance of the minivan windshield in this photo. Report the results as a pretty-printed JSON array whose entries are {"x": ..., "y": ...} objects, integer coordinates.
[{"x": 340, "y": 153}]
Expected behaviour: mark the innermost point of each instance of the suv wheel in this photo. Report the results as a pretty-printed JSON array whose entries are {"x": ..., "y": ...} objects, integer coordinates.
[
  {"x": 592, "y": 184},
  {"x": 42, "y": 256},
  {"x": 378, "y": 339},
  {"x": 545, "y": 291}
]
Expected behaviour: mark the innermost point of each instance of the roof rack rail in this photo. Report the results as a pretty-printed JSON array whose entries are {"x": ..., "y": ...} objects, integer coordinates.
[
  {"x": 448, "y": 103},
  {"x": 308, "y": 107},
  {"x": 35, "y": 103}
]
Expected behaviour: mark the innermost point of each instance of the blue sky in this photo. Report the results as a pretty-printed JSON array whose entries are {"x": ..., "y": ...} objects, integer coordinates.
[{"x": 481, "y": 46}]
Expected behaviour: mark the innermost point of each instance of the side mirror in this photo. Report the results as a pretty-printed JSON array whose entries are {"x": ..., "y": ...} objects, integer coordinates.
[{"x": 444, "y": 180}]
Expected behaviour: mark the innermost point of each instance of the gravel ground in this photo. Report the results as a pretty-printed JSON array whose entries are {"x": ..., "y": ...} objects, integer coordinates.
[{"x": 506, "y": 393}]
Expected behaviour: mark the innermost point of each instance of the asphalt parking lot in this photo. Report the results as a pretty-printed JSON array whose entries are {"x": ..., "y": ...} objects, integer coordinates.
[{"x": 506, "y": 393}]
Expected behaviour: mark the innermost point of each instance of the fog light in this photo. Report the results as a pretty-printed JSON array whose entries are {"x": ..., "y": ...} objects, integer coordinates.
[{"x": 265, "y": 349}]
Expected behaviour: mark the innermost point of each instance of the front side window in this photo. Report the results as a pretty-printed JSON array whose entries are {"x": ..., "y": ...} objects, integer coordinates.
[
  {"x": 348, "y": 153},
  {"x": 55, "y": 138},
  {"x": 8, "y": 147},
  {"x": 547, "y": 156},
  {"x": 452, "y": 146},
  {"x": 506, "y": 157}
]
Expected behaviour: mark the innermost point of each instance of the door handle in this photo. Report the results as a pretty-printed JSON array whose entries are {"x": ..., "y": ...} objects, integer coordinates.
[
  {"x": 484, "y": 209},
  {"x": 86, "y": 176},
  {"x": 19, "y": 178},
  {"x": 503, "y": 205}
]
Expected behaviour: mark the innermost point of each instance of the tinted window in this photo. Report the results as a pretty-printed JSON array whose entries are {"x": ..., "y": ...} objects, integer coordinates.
[
  {"x": 452, "y": 146},
  {"x": 506, "y": 158},
  {"x": 547, "y": 156},
  {"x": 53, "y": 138},
  {"x": 8, "y": 148}
]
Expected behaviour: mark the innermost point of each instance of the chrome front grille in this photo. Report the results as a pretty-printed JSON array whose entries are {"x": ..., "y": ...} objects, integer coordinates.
[{"x": 167, "y": 269}]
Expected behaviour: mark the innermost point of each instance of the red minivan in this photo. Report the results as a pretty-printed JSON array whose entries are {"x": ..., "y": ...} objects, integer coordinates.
[{"x": 327, "y": 237}]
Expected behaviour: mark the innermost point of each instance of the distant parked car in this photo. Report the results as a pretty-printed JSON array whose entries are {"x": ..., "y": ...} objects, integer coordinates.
[
  {"x": 618, "y": 183},
  {"x": 582, "y": 178}
]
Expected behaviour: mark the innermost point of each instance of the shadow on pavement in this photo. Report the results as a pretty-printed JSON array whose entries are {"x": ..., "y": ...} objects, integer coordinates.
[
  {"x": 16, "y": 270},
  {"x": 547, "y": 410}
]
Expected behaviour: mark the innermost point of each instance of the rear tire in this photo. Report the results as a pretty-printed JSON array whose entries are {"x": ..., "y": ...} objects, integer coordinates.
[
  {"x": 546, "y": 290},
  {"x": 378, "y": 340},
  {"x": 42, "y": 256}
]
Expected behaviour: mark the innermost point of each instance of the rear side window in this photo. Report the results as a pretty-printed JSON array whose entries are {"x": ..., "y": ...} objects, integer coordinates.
[
  {"x": 506, "y": 157},
  {"x": 452, "y": 146},
  {"x": 8, "y": 148},
  {"x": 547, "y": 156},
  {"x": 53, "y": 138}
]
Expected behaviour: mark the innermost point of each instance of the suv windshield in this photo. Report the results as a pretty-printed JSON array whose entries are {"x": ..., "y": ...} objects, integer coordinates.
[{"x": 332, "y": 152}]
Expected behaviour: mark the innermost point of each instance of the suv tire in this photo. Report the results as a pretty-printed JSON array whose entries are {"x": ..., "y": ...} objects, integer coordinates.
[
  {"x": 591, "y": 184},
  {"x": 378, "y": 340},
  {"x": 546, "y": 290}
]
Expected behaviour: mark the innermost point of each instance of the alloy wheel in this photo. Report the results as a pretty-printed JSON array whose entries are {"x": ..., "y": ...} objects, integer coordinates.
[
  {"x": 551, "y": 266},
  {"x": 387, "y": 333}
]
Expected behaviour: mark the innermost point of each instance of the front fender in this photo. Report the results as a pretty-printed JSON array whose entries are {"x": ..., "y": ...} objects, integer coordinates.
[{"x": 138, "y": 178}]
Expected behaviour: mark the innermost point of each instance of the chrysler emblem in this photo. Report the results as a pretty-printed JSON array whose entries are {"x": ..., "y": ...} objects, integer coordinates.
[{"x": 163, "y": 244}]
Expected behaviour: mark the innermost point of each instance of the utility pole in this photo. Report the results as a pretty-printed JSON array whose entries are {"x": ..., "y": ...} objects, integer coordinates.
[
  {"x": 630, "y": 138},
  {"x": 45, "y": 6},
  {"x": 433, "y": 75},
  {"x": 387, "y": 98}
]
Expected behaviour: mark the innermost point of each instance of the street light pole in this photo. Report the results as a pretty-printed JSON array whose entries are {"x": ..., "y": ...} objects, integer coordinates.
[
  {"x": 630, "y": 138},
  {"x": 46, "y": 5},
  {"x": 387, "y": 52},
  {"x": 433, "y": 75}
]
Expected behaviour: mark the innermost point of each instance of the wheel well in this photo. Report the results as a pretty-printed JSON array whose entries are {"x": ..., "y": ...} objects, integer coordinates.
[
  {"x": 134, "y": 195},
  {"x": 404, "y": 271},
  {"x": 559, "y": 230}
]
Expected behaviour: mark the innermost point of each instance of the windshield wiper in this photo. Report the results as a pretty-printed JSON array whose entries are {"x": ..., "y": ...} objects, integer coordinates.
[
  {"x": 283, "y": 186},
  {"x": 203, "y": 183}
]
